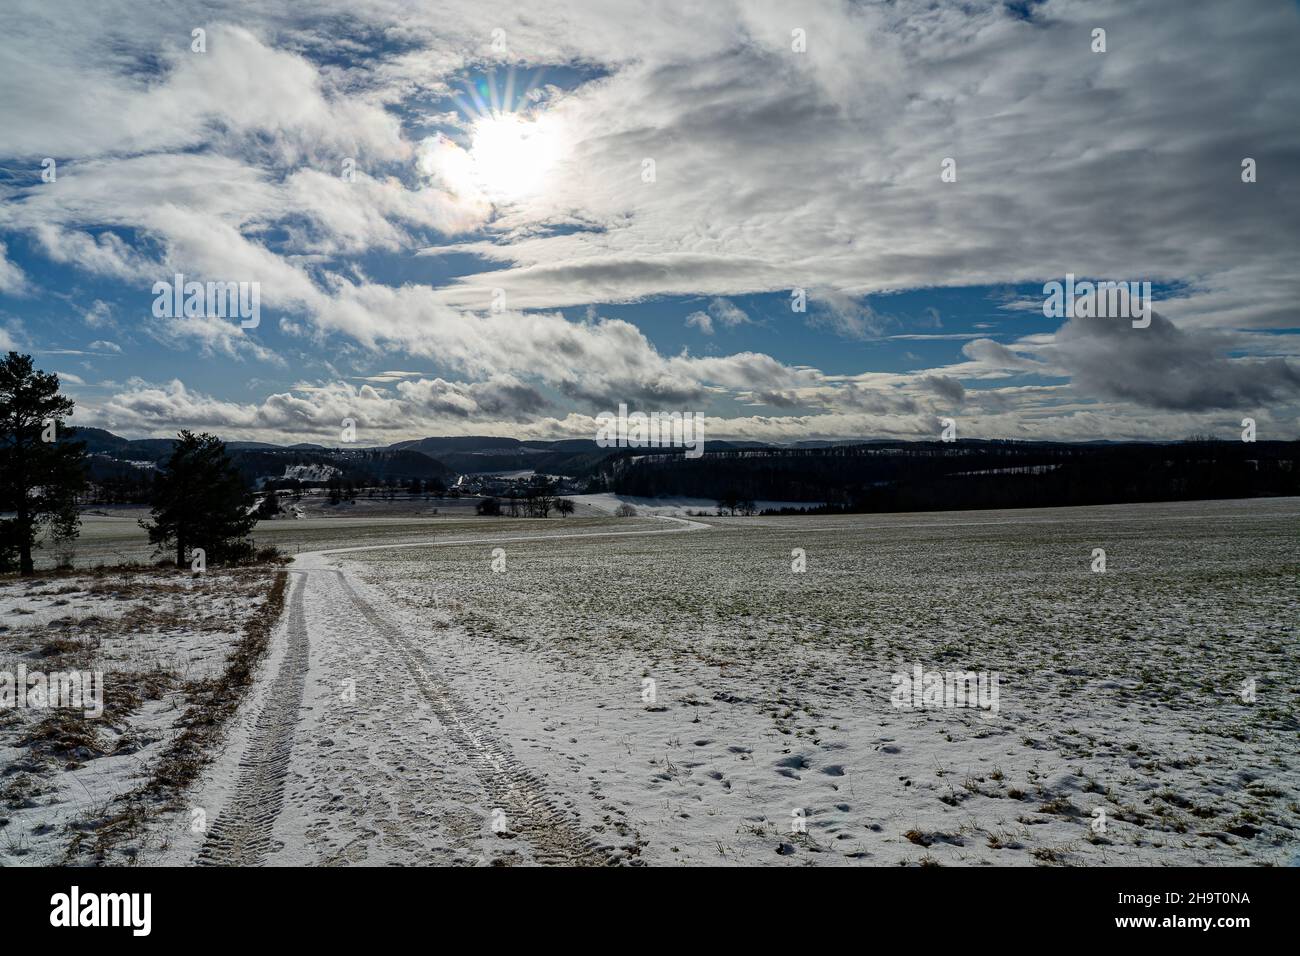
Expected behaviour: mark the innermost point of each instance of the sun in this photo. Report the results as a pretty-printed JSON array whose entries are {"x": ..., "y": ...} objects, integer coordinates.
[
  {"x": 504, "y": 149},
  {"x": 510, "y": 155}
]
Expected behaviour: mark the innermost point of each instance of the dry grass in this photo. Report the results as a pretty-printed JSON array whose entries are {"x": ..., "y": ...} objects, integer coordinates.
[{"x": 212, "y": 702}]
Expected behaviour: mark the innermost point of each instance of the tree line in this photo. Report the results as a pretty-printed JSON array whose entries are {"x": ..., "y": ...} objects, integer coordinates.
[
  {"x": 537, "y": 500},
  {"x": 966, "y": 475}
]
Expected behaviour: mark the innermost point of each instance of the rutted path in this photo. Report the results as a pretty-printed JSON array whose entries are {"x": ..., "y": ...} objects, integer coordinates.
[
  {"x": 242, "y": 834},
  {"x": 511, "y": 788},
  {"x": 397, "y": 769}
]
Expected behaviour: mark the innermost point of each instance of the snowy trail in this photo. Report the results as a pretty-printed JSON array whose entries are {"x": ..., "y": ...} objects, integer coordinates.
[
  {"x": 686, "y": 524},
  {"x": 521, "y": 797},
  {"x": 242, "y": 835},
  {"x": 399, "y": 770}
]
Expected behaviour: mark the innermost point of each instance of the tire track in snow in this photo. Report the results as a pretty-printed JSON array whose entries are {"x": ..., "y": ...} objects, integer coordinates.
[
  {"x": 241, "y": 835},
  {"x": 509, "y": 786}
]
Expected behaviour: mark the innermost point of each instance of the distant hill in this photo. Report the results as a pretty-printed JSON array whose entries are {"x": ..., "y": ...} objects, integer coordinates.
[
  {"x": 114, "y": 457},
  {"x": 466, "y": 443},
  {"x": 99, "y": 441},
  {"x": 359, "y": 466},
  {"x": 576, "y": 457},
  {"x": 874, "y": 475},
  {"x": 248, "y": 445},
  {"x": 435, "y": 457}
]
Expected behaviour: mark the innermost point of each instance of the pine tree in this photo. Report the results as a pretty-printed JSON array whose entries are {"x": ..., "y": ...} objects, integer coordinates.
[
  {"x": 40, "y": 474},
  {"x": 270, "y": 506},
  {"x": 200, "y": 501}
]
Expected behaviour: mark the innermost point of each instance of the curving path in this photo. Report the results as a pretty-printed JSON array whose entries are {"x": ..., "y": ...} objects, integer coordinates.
[{"x": 387, "y": 776}]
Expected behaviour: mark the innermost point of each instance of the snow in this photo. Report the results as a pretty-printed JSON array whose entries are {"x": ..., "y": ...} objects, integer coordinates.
[
  {"x": 123, "y": 623},
  {"x": 313, "y": 473},
  {"x": 608, "y": 502},
  {"x": 773, "y": 688},
  {"x": 1119, "y": 692}
]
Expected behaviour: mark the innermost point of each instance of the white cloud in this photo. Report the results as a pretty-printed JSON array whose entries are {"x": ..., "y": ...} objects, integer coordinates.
[
  {"x": 723, "y": 311},
  {"x": 71, "y": 93},
  {"x": 774, "y": 171},
  {"x": 212, "y": 335},
  {"x": 99, "y": 314},
  {"x": 436, "y": 406},
  {"x": 702, "y": 321},
  {"x": 12, "y": 279}
]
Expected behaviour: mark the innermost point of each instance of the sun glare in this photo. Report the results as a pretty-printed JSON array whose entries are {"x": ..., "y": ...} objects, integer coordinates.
[{"x": 510, "y": 155}]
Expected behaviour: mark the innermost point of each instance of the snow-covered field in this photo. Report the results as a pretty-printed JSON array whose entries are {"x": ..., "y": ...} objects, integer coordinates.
[
  {"x": 155, "y": 636},
  {"x": 112, "y": 536},
  {"x": 1120, "y": 691},
  {"x": 607, "y": 503},
  {"x": 497, "y": 680},
  {"x": 717, "y": 690}
]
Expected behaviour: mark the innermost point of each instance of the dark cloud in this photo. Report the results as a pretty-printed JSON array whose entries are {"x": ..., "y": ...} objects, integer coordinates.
[
  {"x": 945, "y": 387},
  {"x": 1167, "y": 368}
]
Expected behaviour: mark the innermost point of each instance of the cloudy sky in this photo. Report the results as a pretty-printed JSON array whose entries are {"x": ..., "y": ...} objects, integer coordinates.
[{"x": 474, "y": 218}]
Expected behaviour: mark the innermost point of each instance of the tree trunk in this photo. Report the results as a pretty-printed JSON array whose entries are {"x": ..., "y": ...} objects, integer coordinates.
[{"x": 24, "y": 523}]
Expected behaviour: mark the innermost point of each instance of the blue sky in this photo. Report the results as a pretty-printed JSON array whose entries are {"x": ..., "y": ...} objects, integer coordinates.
[{"x": 627, "y": 224}]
